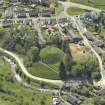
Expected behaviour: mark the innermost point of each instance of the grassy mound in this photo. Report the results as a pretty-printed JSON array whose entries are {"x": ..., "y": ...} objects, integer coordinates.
[
  {"x": 51, "y": 55},
  {"x": 74, "y": 11}
]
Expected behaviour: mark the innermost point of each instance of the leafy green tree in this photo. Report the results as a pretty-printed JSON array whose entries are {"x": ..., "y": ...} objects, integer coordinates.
[{"x": 62, "y": 72}]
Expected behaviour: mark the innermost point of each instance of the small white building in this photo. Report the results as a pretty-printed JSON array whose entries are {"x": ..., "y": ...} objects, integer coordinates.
[{"x": 56, "y": 100}]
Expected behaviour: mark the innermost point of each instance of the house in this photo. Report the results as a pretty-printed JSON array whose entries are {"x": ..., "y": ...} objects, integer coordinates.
[
  {"x": 72, "y": 36},
  {"x": 45, "y": 2},
  {"x": 1, "y": 2},
  {"x": 21, "y": 14},
  {"x": 46, "y": 13},
  {"x": 95, "y": 16},
  {"x": 20, "y": 21},
  {"x": 56, "y": 100},
  {"x": 33, "y": 13},
  {"x": 90, "y": 37},
  {"x": 63, "y": 20},
  {"x": 7, "y": 23},
  {"x": 73, "y": 100},
  {"x": 99, "y": 43},
  {"x": 29, "y": 1},
  {"x": 33, "y": 1},
  {"x": 1, "y": 12},
  {"x": 9, "y": 13}
]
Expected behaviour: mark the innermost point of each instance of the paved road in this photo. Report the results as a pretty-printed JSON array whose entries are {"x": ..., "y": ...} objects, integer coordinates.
[{"x": 55, "y": 82}]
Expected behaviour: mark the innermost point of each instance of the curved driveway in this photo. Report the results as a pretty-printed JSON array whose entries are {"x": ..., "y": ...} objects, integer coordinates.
[{"x": 55, "y": 82}]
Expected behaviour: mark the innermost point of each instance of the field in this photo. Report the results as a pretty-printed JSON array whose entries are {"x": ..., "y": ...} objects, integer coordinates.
[
  {"x": 13, "y": 93},
  {"x": 48, "y": 66},
  {"x": 74, "y": 11},
  {"x": 42, "y": 70},
  {"x": 93, "y": 3},
  {"x": 80, "y": 53}
]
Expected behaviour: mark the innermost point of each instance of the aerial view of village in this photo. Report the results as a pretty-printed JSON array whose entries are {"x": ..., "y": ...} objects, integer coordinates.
[{"x": 52, "y": 52}]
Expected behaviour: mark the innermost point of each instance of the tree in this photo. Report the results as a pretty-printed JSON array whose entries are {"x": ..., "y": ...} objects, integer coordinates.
[
  {"x": 68, "y": 59},
  {"x": 62, "y": 72}
]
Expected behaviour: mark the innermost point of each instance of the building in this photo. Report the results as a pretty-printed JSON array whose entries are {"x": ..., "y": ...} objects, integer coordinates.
[
  {"x": 95, "y": 16},
  {"x": 33, "y": 13},
  {"x": 99, "y": 43},
  {"x": 21, "y": 14},
  {"x": 7, "y": 23},
  {"x": 31, "y": 2},
  {"x": 63, "y": 20},
  {"x": 46, "y": 13},
  {"x": 56, "y": 100},
  {"x": 9, "y": 13},
  {"x": 1, "y": 2},
  {"x": 73, "y": 100},
  {"x": 45, "y": 2},
  {"x": 34, "y": 1},
  {"x": 72, "y": 36}
]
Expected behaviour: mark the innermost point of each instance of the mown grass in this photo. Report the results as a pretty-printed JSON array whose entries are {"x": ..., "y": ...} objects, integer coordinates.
[
  {"x": 95, "y": 3},
  {"x": 41, "y": 70},
  {"x": 46, "y": 69},
  {"x": 74, "y": 11}
]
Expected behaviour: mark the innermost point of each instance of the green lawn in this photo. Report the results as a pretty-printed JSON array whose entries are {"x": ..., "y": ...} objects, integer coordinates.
[
  {"x": 16, "y": 93},
  {"x": 42, "y": 70},
  {"x": 74, "y": 11},
  {"x": 48, "y": 66},
  {"x": 52, "y": 53},
  {"x": 94, "y": 3}
]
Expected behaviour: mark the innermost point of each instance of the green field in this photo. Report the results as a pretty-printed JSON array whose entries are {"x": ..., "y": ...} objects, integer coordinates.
[
  {"x": 48, "y": 66},
  {"x": 42, "y": 70},
  {"x": 94, "y": 3},
  {"x": 13, "y": 93},
  {"x": 74, "y": 11}
]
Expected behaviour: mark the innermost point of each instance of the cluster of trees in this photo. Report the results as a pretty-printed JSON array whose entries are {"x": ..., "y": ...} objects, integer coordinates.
[
  {"x": 21, "y": 41},
  {"x": 86, "y": 70}
]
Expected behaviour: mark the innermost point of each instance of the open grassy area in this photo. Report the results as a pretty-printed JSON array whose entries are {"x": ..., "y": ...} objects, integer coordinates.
[
  {"x": 48, "y": 66},
  {"x": 94, "y": 3},
  {"x": 80, "y": 53},
  {"x": 13, "y": 93},
  {"x": 42, "y": 70},
  {"x": 74, "y": 11}
]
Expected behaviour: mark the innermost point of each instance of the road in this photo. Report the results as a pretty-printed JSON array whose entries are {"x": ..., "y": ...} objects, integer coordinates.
[
  {"x": 83, "y": 30},
  {"x": 24, "y": 70}
]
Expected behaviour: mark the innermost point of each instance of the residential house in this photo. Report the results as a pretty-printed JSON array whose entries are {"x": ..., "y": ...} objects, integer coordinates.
[
  {"x": 46, "y": 13},
  {"x": 33, "y": 13}
]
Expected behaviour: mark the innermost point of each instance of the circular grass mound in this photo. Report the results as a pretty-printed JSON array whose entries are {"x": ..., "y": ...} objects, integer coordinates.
[
  {"x": 51, "y": 55},
  {"x": 74, "y": 11}
]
